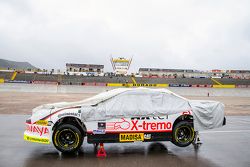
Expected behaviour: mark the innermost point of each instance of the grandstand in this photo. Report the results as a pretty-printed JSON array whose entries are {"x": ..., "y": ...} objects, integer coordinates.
[
  {"x": 188, "y": 73},
  {"x": 190, "y": 81},
  {"x": 84, "y": 69},
  {"x": 80, "y": 80},
  {"x": 230, "y": 81},
  {"x": 6, "y": 75}
]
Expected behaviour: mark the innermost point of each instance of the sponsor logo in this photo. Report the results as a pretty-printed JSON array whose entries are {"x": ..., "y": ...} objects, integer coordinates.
[
  {"x": 37, "y": 129},
  {"x": 42, "y": 122},
  {"x": 148, "y": 85},
  {"x": 99, "y": 131},
  {"x": 122, "y": 125},
  {"x": 186, "y": 113},
  {"x": 148, "y": 118},
  {"x": 150, "y": 125},
  {"x": 101, "y": 125},
  {"x": 179, "y": 85},
  {"x": 147, "y": 136},
  {"x": 141, "y": 124},
  {"x": 69, "y": 114},
  {"x": 127, "y": 137},
  {"x": 36, "y": 139}
]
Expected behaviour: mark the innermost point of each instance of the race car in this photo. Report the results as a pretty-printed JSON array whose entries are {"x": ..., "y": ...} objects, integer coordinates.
[{"x": 123, "y": 115}]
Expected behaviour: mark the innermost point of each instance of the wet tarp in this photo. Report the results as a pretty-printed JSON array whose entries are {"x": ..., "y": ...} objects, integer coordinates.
[{"x": 139, "y": 102}]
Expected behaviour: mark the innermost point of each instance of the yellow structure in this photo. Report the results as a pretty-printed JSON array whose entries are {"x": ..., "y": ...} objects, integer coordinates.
[
  {"x": 120, "y": 65},
  {"x": 1, "y": 80},
  {"x": 133, "y": 80},
  {"x": 223, "y": 86},
  {"x": 13, "y": 76},
  {"x": 220, "y": 85},
  {"x": 217, "y": 82}
]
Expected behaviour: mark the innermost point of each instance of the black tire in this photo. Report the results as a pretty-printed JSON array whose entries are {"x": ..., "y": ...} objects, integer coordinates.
[
  {"x": 67, "y": 138},
  {"x": 183, "y": 134}
]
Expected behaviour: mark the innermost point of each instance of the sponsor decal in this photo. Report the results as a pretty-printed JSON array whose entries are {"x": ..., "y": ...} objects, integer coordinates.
[
  {"x": 186, "y": 113},
  {"x": 37, "y": 129},
  {"x": 148, "y": 85},
  {"x": 45, "y": 82},
  {"x": 136, "y": 125},
  {"x": 147, "y": 136},
  {"x": 36, "y": 139},
  {"x": 122, "y": 125},
  {"x": 101, "y": 125},
  {"x": 98, "y": 131},
  {"x": 42, "y": 122},
  {"x": 69, "y": 114},
  {"x": 148, "y": 118},
  {"x": 179, "y": 85},
  {"x": 127, "y": 137},
  {"x": 15, "y": 81},
  {"x": 141, "y": 124}
]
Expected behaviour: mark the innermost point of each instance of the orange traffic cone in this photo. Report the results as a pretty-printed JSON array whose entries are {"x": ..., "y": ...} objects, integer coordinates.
[{"x": 101, "y": 152}]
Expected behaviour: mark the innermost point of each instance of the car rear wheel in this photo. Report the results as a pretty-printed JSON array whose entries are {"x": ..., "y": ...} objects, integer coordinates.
[
  {"x": 67, "y": 138},
  {"x": 183, "y": 134}
]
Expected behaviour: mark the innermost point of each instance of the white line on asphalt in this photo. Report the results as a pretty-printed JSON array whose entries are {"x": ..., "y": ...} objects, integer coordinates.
[{"x": 226, "y": 131}]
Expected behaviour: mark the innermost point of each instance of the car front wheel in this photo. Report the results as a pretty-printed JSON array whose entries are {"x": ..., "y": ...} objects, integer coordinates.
[
  {"x": 67, "y": 138},
  {"x": 183, "y": 134}
]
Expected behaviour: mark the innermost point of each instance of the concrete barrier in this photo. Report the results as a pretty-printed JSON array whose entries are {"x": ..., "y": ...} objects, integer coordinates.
[{"x": 184, "y": 91}]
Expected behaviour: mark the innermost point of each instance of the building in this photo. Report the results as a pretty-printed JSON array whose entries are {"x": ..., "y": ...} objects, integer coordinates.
[
  {"x": 171, "y": 73},
  {"x": 85, "y": 69},
  {"x": 187, "y": 73},
  {"x": 237, "y": 74}
]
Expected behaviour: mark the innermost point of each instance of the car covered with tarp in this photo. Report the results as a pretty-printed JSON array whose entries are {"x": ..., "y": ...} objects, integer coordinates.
[{"x": 123, "y": 115}]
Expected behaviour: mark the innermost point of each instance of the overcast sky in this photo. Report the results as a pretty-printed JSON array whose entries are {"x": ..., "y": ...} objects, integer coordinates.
[{"x": 190, "y": 34}]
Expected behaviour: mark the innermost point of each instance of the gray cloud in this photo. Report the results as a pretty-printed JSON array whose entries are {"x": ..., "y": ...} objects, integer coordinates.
[{"x": 167, "y": 34}]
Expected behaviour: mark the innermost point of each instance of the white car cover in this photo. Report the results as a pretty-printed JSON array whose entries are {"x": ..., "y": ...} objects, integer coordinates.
[{"x": 142, "y": 102}]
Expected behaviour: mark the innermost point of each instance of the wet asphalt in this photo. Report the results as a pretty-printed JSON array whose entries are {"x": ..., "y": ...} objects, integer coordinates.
[{"x": 227, "y": 146}]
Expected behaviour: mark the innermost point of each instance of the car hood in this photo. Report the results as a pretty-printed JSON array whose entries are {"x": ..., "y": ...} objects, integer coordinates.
[{"x": 38, "y": 114}]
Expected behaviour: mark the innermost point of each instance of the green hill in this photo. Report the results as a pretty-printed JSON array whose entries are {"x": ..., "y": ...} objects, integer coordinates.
[{"x": 5, "y": 64}]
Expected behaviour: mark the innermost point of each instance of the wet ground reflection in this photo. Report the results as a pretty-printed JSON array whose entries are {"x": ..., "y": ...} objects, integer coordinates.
[
  {"x": 154, "y": 154},
  {"x": 228, "y": 146}
]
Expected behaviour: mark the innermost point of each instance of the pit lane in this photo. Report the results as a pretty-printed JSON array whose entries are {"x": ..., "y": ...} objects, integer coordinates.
[{"x": 226, "y": 146}]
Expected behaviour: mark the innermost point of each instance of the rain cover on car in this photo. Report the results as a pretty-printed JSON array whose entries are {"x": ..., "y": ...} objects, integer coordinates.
[{"x": 140, "y": 102}]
